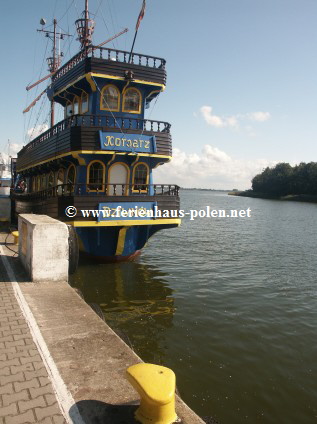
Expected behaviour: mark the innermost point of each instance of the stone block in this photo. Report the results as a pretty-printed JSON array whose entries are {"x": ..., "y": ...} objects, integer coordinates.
[{"x": 43, "y": 248}]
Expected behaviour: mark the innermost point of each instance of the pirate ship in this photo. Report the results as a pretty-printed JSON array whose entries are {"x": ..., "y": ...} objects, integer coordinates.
[{"x": 101, "y": 156}]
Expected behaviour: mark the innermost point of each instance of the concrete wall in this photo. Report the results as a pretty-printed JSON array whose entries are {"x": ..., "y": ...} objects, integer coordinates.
[{"x": 43, "y": 248}]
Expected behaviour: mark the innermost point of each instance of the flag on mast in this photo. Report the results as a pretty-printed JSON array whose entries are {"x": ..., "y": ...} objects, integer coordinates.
[{"x": 141, "y": 16}]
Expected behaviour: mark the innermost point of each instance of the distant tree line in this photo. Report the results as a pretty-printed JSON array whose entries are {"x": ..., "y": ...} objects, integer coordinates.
[{"x": 284, "y": 179}]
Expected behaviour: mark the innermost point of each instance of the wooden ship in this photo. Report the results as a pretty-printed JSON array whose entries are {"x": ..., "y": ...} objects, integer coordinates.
[{"x": 101, "y": 156}]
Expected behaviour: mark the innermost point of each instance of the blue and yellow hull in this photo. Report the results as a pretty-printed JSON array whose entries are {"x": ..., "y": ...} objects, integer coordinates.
[{"x": 113, "y": 241}]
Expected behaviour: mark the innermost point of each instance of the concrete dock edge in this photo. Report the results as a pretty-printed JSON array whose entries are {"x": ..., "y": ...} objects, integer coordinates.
[{"x": 85, "y": 354}]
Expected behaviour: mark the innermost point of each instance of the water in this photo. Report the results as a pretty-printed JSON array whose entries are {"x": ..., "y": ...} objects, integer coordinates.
[{"x": 230, "y": 304}]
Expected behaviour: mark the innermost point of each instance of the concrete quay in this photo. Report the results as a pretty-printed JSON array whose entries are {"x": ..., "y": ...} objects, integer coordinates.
[{"x": 59, "y": 362}]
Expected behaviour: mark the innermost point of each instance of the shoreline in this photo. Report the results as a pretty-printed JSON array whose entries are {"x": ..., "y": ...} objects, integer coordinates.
[{"x": 290, "y": 197}]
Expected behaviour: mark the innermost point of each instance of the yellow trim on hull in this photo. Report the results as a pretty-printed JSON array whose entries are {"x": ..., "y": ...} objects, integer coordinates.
[
  {"x": 156, "y": 84},
  {"x": 121, "y": 240},
  {"x": 126, "y": 223},
  {"x": 81, "y": 161},
  {"x": 89, "y": 79},
  {"x": 69, "y": 85},
  {"x": 94, "y": 152}
]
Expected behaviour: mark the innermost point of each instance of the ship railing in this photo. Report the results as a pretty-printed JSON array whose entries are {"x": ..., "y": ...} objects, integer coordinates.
[
  {"x": 120, "y": 123},
  {"x": 96, "y": 189},
  {"x": 100, "y": 121},
  {"x": 112, "y": 55}
]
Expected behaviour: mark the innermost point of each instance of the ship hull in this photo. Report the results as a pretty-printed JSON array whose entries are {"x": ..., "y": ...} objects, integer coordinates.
[
  {"x": 116, "y": 244},
  {"x": 103, "y": 241}
]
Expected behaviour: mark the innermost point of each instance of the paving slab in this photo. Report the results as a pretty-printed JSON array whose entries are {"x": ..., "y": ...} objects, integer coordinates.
[{"x": 26, "y": 393}]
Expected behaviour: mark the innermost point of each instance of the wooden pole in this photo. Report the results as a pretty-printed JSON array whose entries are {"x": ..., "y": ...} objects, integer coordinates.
[
  {"x": 86, "y": 23},
  {"x": 54, "y": 69},
  {"x": 130, "y": 56}
]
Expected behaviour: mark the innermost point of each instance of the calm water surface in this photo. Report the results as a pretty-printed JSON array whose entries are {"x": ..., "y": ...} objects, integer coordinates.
[{"x": 230, "y": 304}]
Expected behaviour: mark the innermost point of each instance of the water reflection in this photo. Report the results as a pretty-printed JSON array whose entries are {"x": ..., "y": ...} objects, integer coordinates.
[{"x": 136, "y": 301}]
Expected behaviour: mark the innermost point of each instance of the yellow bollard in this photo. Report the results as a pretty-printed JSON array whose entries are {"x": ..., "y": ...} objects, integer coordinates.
[
  {"x": 156, "y": 387},
  {"x": 16, "y": 236}
]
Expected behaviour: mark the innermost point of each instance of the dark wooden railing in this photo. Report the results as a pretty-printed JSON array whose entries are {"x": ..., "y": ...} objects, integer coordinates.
[
  {"x": 100, "y": 121},
  {"x": 102, "y": 190},
  {"x": 113, "y": 55}
]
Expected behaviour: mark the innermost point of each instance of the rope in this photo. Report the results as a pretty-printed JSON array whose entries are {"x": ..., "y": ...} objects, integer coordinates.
[
  {"x": 111, "y": 17},
  {"x": 67, "y": 11},
  {"x": 98, "y": 7},
  {"x": 36, "y": 91}
]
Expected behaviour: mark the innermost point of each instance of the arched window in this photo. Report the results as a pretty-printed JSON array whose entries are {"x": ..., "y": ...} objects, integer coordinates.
[
  {"x": 76, "y": 106},
  {"x": 60, "y": 181},
  {"x": 68, "y": 109},
  {"x": 38, "y": 183},
  {"x": 96, "y": 176},
  {"x": 50, "y": 182},
  {"x": 132, "y": 100},
  {"x": 60, "y": 177},
  {"x": 43, "y": 181},
  {"x": 84, "y": 103},
  {"x": 110, "y": 98},
  {"x": 71, "y": 178},
  {"x": 140, "y": 177},
  {"x": 34, "y": 183},
  {"x": 118, "y": 179}
]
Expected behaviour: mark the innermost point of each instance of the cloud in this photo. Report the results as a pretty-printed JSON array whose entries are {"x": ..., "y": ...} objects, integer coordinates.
[
  {"x": 10, "y": 151},
  {"x": 35, "y": 131},
  {"x": 15, "y": 148},
  {"x": 217, "y": 121},
  {"x": 258, "y": 116},
  {"x": 233, "y": 120},
  {"x": 211, "y": 168}
]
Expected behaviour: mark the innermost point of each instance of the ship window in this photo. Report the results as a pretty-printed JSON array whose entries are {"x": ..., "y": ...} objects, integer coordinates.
[
  {"x": 76, "y": 106},
  {"x": 68, "y": 109},
  {"x": 50, "y": 182},
  {"x": 70, "y": 179},
  {"x": 60, "y": 181},
  {"x": 132, "y": 100},
  {"x": 34, "y": 184},
  {"x": 96, "y": 176},
  {"x": 43, "y": 182},
  {"x": 84, "y": 103},
  {"x": 38, "y": 183},
  {"x": 140, "y": 177},
  {"x": 110, "y": 98}
]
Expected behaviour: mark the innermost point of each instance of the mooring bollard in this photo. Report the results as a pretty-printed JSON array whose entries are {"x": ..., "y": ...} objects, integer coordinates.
[
  {"x": 15, "y": 236},
  {"x": 156, "y": 387}
]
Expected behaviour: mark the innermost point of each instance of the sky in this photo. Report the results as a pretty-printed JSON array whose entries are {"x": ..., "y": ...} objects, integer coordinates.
[{"x": 241, "y": 78}]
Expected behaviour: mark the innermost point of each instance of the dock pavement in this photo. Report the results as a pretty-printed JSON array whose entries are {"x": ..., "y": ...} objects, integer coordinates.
[
  {"x": 59, "y": 362},
  {"x": 26, "y": 392}
]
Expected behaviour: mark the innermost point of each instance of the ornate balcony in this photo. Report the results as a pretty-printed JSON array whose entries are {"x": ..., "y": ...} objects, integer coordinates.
[
  {"x": 78, "y": 132},
  {"x": 111, "y": 62}
]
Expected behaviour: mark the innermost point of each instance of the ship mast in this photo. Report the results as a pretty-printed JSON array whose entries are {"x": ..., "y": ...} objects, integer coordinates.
[
  {"x": 86, "y": 20},
  {"x": 85, "y": 28},
  {"x": 55, "y": 60},
  {"x": 53, "y": 65}
]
